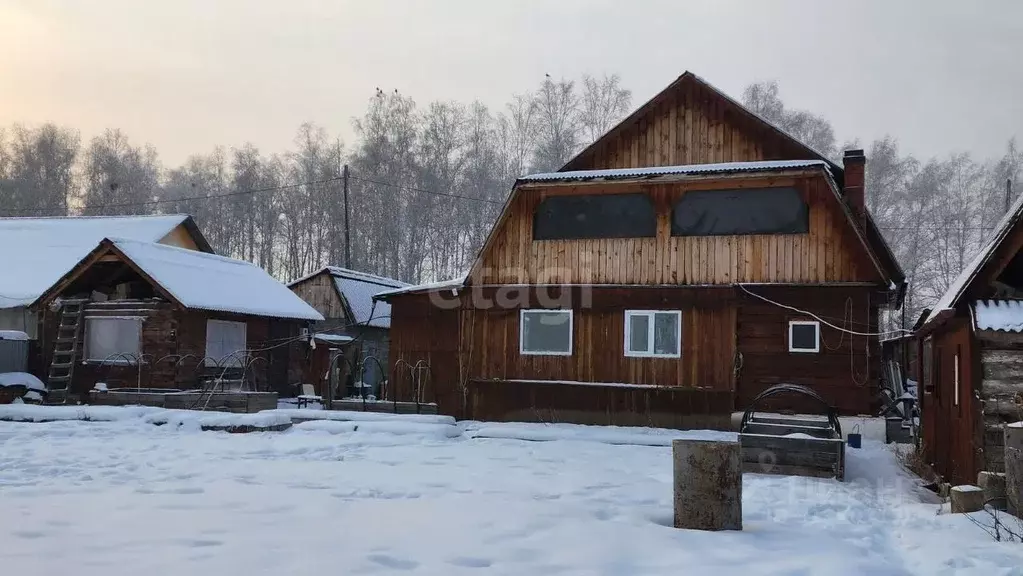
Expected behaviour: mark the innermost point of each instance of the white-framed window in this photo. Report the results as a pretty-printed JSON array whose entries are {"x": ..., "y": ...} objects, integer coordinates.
[
  {"x": 225, "y": 343},
  {"x": 545, "y": 332},
  {"x": 955, "y": 398},
  {"x": 804, "y": 336},
  {"x": 653, "y": 333},
  {"x": 113, "y": 340}
]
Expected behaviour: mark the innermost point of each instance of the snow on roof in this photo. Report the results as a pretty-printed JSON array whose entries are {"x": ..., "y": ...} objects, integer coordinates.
[
  {"x": 441, "y": 285},
  {"x": 358, "y": 288},
  {"x": 210, "y": 282},
  {"x": 36, "y": 252},
  {"x": 1005, "y": 315},
  {"x": 335, "y": 338},
  {"x": 955, "y": 290},
  {"x": 719, "y": 168}
]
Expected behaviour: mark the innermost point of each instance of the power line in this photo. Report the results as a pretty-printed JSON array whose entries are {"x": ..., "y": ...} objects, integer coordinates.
[{"x": 424, "y": 191}]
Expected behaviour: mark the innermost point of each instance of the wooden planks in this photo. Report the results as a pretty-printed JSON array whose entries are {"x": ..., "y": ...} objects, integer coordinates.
[{"x": 830, "y": 252}]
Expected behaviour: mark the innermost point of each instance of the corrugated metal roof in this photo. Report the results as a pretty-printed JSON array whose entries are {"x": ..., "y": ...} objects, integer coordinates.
[
  {"x": 358, "y": 288},
  {"x": 1004, "y": 315},
  {"x": 720, "y": 168}
]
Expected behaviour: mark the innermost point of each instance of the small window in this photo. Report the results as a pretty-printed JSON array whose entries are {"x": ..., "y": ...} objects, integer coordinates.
[
  {"x": 743, "y": 211},
  {"x": 804, "y": 336},
  {"x": 545, "y": 332},
  {"x": 656, "y": 333},
  {"x": 225, "y": 343},
  {"x": 576, "y": 217},
  {"x": 113, "y": 340}
]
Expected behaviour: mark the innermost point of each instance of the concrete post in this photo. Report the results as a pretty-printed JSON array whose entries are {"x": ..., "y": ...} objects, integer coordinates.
[
  {"x": 708, "y": 484},
  {"x": 1014, "y": 467},
  {"x": 993, "y": 484}
]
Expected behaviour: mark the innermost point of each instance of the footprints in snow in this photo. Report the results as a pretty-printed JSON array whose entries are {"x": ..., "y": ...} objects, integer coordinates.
[{"x": 396, "y": 563}]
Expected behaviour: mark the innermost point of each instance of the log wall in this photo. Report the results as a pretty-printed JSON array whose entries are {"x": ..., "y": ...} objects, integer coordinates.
[{"x": 1001, "y": 392}]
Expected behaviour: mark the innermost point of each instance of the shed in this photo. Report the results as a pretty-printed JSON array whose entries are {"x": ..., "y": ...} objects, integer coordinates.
[
  {"x": 144, "y": 314},
  {"x": 345, "y": 298},
  {"x": 971, "y": 359}
]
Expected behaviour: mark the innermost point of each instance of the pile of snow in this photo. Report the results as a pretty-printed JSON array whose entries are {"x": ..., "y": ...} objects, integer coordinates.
[
  {"x": 194, "y": 419},
  {"x": 582, "y": 433},
  {"x": 22, "y": 379},
  {"x": 31, "y": 413},
  {"x": 298, "y": 414},
  {"x": 13, "y": 335}
]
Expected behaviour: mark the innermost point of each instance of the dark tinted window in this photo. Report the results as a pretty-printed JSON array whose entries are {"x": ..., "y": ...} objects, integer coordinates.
[
  {"x": 603, "y": 216},
  {"x": 747, "y": 211},
  {"x": 803, "y": 337}
]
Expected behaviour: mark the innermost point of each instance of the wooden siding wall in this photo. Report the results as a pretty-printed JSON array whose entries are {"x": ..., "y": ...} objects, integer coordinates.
[
  {"x": 708, "y": 340},
  {"x": 845, "y": 371},
  {"x": 320, "y": 292},
  {"x": 180, "y": 237},
  {"x": 422, "y": 331},
  {"x": 688, "y": 125},
  {"x": 830, "y": 252}
]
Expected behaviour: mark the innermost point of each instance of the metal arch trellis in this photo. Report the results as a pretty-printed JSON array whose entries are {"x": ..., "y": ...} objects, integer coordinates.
[
  {"x": 418, "y": 383},
  {"x": 362, "y": 376},
  {"x": 330, "y": 368}
]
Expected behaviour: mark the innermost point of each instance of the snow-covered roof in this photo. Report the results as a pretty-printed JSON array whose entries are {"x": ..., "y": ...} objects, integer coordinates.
[
  {"x": 357, "y": 289},
  {"x": 1005, "y": 315},
  {"x": 332, "y": 338},
  {"x": 36, "y": 252},
  {"x": 692, "y": 169},
  {"x": 210, "y": 282},
  {"x": 958, "y": 286},
  {"x": 427, "y": 287}
]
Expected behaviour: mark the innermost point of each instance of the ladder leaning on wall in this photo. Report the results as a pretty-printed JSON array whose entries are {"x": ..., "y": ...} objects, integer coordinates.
[{"x": 65, "y": 351}]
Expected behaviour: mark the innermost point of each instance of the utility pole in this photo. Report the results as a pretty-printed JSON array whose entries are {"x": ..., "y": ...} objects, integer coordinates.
[{"x": 348, "y": 235}]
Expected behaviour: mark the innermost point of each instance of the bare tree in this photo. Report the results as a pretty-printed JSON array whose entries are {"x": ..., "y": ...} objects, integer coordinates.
[
  {"x": 604, "y": 102},
  {"x": 557, "y": 107}
]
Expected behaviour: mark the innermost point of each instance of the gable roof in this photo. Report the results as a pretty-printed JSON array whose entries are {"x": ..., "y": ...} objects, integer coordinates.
[
  {"x": 952, "y": 297},
  {"x": 197, "y": 280},
  {"x": 356, "y": 290},
  {"x": 36, "y": 252},
  {"x": 689, "y": 77}
]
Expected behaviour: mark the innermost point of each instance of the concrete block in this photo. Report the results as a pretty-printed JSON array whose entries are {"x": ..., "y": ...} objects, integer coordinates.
[
  {"x": 708, "y": 484},
  {"x": 993, "y": 484},
  {"x": 966, "y": 498}
]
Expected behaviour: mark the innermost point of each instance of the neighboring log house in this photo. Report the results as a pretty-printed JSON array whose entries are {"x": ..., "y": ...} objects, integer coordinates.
[
  {"x": 147, "y": 315},
  {"x": 685, "y": 261},
  {"x": 354, "y": 321},
  {"x": 37, "y": 251},
  {"x": 970, "y": 359}
]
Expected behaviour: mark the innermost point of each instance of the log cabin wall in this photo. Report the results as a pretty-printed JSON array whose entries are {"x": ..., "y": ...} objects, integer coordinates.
[
  {"x": 846, "y": 369},
  {"x": 688, "y": 123},
  {"x": 830, "y": 252},
  {"x": 1000, "y": 388}
]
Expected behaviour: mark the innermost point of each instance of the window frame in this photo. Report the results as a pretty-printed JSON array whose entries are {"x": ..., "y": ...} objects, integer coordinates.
[
  {"x": 651, "y": 333},
  {"x": 216, "y": 361},
  {"x": 522, "y": 331},
  {"x": 123, "y": 357},
  {"x": 817, "y": 342}
]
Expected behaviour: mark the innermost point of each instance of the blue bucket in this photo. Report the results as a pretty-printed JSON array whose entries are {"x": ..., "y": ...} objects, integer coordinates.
[{"x": 855, "y": 439}]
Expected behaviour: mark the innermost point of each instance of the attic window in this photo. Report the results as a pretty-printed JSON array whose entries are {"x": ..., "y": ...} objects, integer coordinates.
[
  {"x": 595, "y": 216},
  {"x": 745, "y": 211}
]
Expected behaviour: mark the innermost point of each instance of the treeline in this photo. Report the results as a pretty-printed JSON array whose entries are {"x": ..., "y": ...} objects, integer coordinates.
[{"x": 427, "y": 182}]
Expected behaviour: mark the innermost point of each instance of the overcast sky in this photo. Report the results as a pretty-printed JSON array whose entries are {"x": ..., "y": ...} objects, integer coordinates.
[{"x": 187, "y": 75}]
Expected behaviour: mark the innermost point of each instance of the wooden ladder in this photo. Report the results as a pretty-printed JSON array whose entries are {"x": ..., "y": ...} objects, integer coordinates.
[{"x": 65, "y": 351}]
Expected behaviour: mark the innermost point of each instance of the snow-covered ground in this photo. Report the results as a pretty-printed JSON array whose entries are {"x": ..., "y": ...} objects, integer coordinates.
[{"x": 348, "y": 497}]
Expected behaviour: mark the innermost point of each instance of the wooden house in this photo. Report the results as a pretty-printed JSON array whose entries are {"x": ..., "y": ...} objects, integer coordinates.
[
  {"x": 37, "y": 251},
  {"x": 147, "y": 315},
  {"x": 685, "y": 261},
  {"x": 970, "y": 359},
  {"x": 345, "y": 299}
]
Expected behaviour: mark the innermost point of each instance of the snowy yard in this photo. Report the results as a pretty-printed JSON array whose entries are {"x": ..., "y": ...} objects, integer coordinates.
[{"x": 127, "y": 497}]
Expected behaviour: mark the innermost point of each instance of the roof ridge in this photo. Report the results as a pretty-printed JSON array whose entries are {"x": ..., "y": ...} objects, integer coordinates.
[{"x": 170, "y": 248}]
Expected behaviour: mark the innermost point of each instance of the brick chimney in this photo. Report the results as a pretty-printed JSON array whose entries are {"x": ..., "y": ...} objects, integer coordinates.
[{"x": 855, "y": 163}]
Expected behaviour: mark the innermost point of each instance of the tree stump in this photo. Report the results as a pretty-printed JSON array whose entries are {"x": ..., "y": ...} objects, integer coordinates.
[
  {"x": 1014, "y": 467},
  {"x": 708, "y": 484},
  {"x": 993, "y": 484},
  {"x": 966, "y": 498}
]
